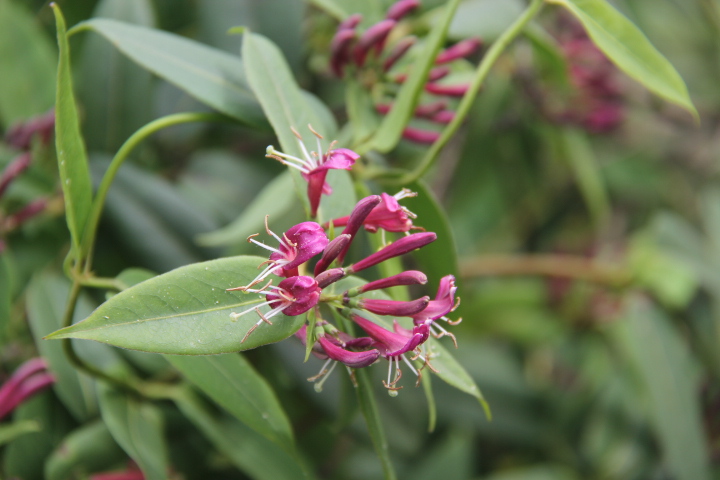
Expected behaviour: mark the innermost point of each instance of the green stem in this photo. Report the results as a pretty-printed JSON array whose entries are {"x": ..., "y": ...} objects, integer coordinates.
[
  {"x": 72, "y": 355},
  {"x": 122, "y": 154},
  {"x": 466, "y": 103},
  {"x": 100, "y": 282}
]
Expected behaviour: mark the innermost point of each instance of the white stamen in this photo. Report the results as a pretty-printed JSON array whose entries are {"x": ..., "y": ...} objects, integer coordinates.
[{"x": 410, "y": 365}]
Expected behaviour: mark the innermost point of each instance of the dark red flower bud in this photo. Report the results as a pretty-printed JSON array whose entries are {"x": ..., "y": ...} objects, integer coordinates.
[
  {"x": 391, "y": 307},
  {"x": 400, "y": 49},
  {"x": 420, "y": 136},
  {"x": 410, "y": 277},
  {"x": 399, "y": 9},
  {"x": 459, "y": 50},
  {"x": 330, "y": 276},
  {"x": 332, "y": 251},
  {"x": 399, "y": 247},
  {"x": 374, "y": 37},
  {"x": 14, "y": 168},
  {"x": 447, "y": 90}
]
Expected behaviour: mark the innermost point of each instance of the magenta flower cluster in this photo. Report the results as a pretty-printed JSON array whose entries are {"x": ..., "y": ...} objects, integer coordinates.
[
  {"x": 366, "y": 55},
  {"x": 300, "y": 291}
]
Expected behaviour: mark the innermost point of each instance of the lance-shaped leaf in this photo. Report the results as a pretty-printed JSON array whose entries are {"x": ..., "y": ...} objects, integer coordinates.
[
  {"x": 186, "y": 312},
  {"x": 630, "y": 49},
  {"x": 234, "y": 384},
  {"x": 138, "y": 429},
  {"x": 71, "y": 154},
  {"x": 210, "y": 75},
  {"x": 88, "y": 449}
]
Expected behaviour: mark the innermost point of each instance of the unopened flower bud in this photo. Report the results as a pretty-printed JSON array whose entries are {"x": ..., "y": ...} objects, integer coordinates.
[
  {"x": 350, "y": 22},
  {"x": 447, "y": 90},
  {"x": 332, "y": 251},
  {"x": 420, "y": 136},
  {"x": 14, "y": 168},
  {"x": 459, "y": 50},
  {"x": 355, "y": 220},
  {"x": 394, "y": 308},
  {"x": 399, "y": 247},
  {"x": 374, "y": 37},
  {"x": 410, "y": 277},
  {"x": 399, "y": 9},
  {"x": 400, "y": 49},
  {"x": 330, "y": 276},
  {"x": 340, "y": 50}
]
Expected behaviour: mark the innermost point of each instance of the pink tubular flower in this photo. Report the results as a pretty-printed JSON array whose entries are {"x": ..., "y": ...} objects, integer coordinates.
[
  {"x": 293, "y": 296},
  {"x": 355, "y": 220},
  {"x": 394, "y": 345},
  {"x": 350, "y": 22},
  {"x": 340, "y": 50},
  {"x": 328, "y": 277},
  {"x": 314, "y": 166},
  {"x": 339, "y": 352},
  {"x": 298, "y": 245},
  {"x": 437, "y": 309},
  {"x": 30, "y": 378},
  {"x": 398, "y": 51},
  {"x": 401, "y": 8},
  {"x": 459, "y": 50},
  {"x": 398, "y": 247},
  {"x": 388, "y": 215},
  {"x": 332, "y": 251}
]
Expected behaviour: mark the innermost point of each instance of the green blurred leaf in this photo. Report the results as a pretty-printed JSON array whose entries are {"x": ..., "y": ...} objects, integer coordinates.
[
  {"x": 132, "y": 276},
  {"x": 667, "y": 373},
  {"x": 138, "y": 429},
  {"x": 11, "y": 431},
  {"x": 116, "y": 93},
  {"x": 210, "y": 75},
  {"x": 71, "y": 154},
  {"x": 186, "y": 311},
  {"x": 361, "y": 111},
  {"x": 630, "y": 49},
  {"x": 46, "y": 298},
  {"x": 391, "y": 128},
  {"x": 486, "y": 19},
  {"x": 5, "y": 296},
  {"x": 343, "y": 199},
  {"x": 24, "y": 457},
  {"x": 440, "y": 257},
  {"x": 234, "y": 384},
  {"x": 252, "y": 453},
  {"x": 27, "y": 61},
  {"x": 537, "y": 472},
  {"x": 274, "y": 200},
  {"x": 450, "y": 459},
  {"x": 88, "y": 449}
]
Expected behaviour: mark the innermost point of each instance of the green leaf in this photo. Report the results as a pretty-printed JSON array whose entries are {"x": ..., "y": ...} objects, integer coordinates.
[
  {"x": 369, "y": 409},
  {"x": 630, "y": 49},
  {"x": 27, "y": 61},
  {"x": 88, "y": 449},
  {"x": 210, "y": 75},
  {"x": 343, "y": 199},
  {"x": 5, "y": 296},
  {"x": 9, "y": 432},
  {"x": 138, "y": 429},
  {"x": 486, "y": 19},
  {"x": 116, "y": 93},
  {"x": 440, "y": 257},
  {"x": 250, "y": 452},
  {"x": 46, "y": 298},
  {"x": 71, "y": 154},
  {"x": 391, "y": 128},
  {"x": 132, "y": 276},
  {"x": 234, "y": 384},
  {"x": 668, "y": 375},
  {"x": 274, "y": 200},
  {"x": 186, "y": 311},
  {"x": 361, "y": 111}
]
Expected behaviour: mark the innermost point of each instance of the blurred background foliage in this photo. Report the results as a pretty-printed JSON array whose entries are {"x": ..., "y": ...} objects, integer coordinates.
[{"x": 589, "y": 261}]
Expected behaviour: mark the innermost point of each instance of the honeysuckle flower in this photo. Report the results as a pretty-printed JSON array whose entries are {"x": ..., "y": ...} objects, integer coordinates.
[
  {"x": 339, "y": 351},
  {"x": 395, "y": 308},
  {"x": 315, "y": 165},
  {"x": 329, "y": 277},
  {"x": 30, "y": 378},
  {"x": 437, "y": 309},
  {"x": 293, "y": 296},
  {"x": 398, "y": 247},
  {"x": 399, "y": 9},
  {"x": 340, "y": 50},
  {"x": 434, "y": 75},
  {"x": 298, "y": 245},
  {"x": 388, "y": 215},
  {"x": 398, "y": 51},
  {"x": 394, "y": 345}
]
